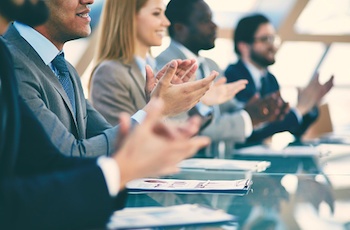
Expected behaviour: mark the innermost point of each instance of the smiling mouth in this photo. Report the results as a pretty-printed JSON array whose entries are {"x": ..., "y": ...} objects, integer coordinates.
[{"x": 85, "y": 15}]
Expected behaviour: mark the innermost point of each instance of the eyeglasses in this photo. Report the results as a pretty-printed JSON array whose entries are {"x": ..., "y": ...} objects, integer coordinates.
[{"x": 269, "y": 39}]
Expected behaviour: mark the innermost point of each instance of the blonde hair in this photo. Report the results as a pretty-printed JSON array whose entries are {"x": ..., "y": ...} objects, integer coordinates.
[{"x": 117, "y": 30}]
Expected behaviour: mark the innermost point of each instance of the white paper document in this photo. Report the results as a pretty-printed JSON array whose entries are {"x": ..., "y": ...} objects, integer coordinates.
[
  {"x": 172, "y": 216},
  {"x": 239, "y": 187},
  {"x": 224, "y": 165},
  {"x": 290, "y": 151}
]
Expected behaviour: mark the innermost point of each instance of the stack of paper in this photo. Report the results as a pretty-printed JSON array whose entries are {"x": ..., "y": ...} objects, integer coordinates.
[
  {"x": 290, "y": 151},
  {"x": 172, "y": 216},
  {"x": 224, "y": 165},
  {"x": 239, "y": 187}
]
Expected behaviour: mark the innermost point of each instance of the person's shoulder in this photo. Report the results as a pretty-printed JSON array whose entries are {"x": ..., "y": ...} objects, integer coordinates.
[
  {"x": 233, "y": 68},
  {"x": 110, "y": 69},
  {"x": 111, "y": 65}
]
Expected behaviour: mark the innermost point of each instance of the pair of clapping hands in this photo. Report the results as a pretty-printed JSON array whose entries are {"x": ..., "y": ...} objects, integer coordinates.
[
  {"x": 273, "y": 108},
  {"x": 155, "y": 147}
]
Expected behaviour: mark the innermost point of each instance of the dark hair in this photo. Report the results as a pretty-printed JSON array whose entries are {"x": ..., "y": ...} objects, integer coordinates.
[
  {"x": 179, "y": 11},
  {"x": 246, "y": 29}
]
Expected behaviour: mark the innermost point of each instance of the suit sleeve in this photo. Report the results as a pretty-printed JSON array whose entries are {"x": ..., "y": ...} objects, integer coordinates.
[
  {"x": 59, "y": 200},
  {"x": 226, "y": 126},
  {"x": 290, "y": 123},
  {"x": 50, "y": 191},
  {"x": 98, "y": 136}
]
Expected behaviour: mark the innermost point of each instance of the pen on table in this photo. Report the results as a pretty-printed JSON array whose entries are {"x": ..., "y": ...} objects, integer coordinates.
[{"x": 205, "y": 183}]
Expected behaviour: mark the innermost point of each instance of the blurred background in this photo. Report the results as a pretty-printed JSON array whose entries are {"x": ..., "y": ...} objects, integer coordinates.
[{"x": 315, "y": 38}]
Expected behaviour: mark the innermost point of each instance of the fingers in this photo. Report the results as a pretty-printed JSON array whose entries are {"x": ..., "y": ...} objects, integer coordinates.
[
  {"x": 202, "y": 83},
  {"x": 191, "y": 127},
  {"x": 222, "y": 81},
  {"x": 196, "y": 143},
  {"x": 190, "y": 74},
  {"x": 161, "y": 72},
  {"x": 170, "y": 72},
  {"x": 183, "y": 67},
  {"x": 150, "y": 82},
  {"x": 329, "y": 84},
  {"x": 254, "y": 99},
  {"x": 237, "y": 86}
]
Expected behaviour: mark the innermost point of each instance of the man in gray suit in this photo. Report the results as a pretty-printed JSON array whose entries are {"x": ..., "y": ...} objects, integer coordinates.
[
  {"x": 52, "y": 88},
  {"x": 192, "y": 30}
]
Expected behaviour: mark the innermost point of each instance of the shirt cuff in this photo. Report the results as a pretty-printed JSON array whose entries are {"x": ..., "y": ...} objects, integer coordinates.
[
  {"x": 203, "y": 109},
  {"x": 297, "y": 114},
  {"x": 111, "y": 173},
  {"x": 139, "y": 116},
  {"x": 248, "y": 124}
]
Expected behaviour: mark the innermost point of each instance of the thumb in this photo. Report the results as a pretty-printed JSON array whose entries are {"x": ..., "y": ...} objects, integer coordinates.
[{"x": 170, "y": 72}]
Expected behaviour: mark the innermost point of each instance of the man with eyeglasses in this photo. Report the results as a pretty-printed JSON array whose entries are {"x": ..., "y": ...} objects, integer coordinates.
[{"x": 256, "y": 43}]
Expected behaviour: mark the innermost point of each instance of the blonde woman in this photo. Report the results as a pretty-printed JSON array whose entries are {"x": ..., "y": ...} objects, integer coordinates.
[{"x": 128, "y": 29}]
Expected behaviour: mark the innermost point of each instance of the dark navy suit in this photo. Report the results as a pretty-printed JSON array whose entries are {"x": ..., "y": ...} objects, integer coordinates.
[
  {"x": 238, "y": 71},
  {"x": 40, "y": 188}
]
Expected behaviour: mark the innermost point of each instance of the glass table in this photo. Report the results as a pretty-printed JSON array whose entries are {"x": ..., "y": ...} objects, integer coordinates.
[{"x": 293, "y": 193}]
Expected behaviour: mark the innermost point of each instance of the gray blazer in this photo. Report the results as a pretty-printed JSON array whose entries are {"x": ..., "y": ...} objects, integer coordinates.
[
  {"x": 227, "y": 125},
  {"x": 89, "y": 134},
  {"x": 117, "y": 87}
]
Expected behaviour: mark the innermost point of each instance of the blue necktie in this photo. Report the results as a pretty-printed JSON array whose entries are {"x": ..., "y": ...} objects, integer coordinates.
[{"x": 63, "y": 76}]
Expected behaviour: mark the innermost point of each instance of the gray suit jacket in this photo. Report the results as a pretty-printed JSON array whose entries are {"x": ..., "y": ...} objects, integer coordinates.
[
  {"x": 117, "y": 87},
  {"x": 228, "y": 125},
  {"x": 89, "y": 134}
]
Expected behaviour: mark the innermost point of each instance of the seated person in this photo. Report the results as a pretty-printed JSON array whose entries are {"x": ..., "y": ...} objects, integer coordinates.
[
  {"x": 40, "y": 188},
  {"x": 192, "y": 31},
  {"x": 256, "y": 44},
  {"x": 52, "y": 89}
]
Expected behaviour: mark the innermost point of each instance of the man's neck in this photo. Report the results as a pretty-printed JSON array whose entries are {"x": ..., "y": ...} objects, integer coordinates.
[
  {"x": 45, "y": 32},
  {"x": 251, "y": 62},
  {"x": 188, "y": 46}
]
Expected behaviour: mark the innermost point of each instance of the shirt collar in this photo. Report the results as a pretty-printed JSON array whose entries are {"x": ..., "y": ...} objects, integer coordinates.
[
  {"x": 141, "y": 63},
  {"x": 188, "y": 54},
  {"x": 255, "y": 72},
  {"x": 46, "y": 49}
]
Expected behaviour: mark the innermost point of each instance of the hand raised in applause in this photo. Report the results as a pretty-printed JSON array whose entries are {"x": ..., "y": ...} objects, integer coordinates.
[
  {"x": 185, "y": 71},
  {"x": 267, "y": 109},
  {"x": 220, "y": 92},
  {"x": 182, "y": 95},
  {"x": 312, "y": 94},
  {"x": 154, "y": 147}
]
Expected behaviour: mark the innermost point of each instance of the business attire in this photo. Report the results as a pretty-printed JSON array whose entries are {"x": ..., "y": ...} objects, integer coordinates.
[
  {"x": 228, "y": 124},
  {"x": 118, "y": 87},
  {"x": 264, "y": 85},
  {"x": 39, "y": 187},
  {"x": 79, "y": 131}
]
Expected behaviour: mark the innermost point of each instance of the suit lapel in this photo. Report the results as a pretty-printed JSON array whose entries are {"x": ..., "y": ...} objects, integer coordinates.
[
  {"x": 250, "y": 88},
  {"x": 16, "y": 39},
  {"x": 79, "y": 100},
  {"x": 137, "y": 77}
]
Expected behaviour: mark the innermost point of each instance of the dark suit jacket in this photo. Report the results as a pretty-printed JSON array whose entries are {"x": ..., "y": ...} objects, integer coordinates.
[
  {"x": 39, "y": 187},
  {"x": 290, "y": 123},
  {"x": 89, "y": 134}
]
